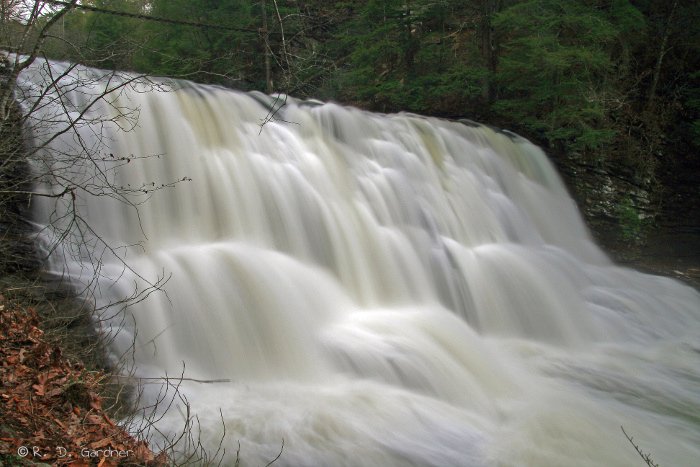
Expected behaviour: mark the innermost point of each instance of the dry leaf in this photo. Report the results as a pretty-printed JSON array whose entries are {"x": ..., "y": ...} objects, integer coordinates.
[
  {"x": 94, "y": 419},
  {"x": 95, "y": 402},
  {"x": 100, "y": 444},
  {"x": 55, "y": 392},
  {"x": 80, "y": 463}
]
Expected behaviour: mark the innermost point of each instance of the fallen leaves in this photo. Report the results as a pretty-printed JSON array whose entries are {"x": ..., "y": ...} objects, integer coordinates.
[{"x": 52, "y": 405}]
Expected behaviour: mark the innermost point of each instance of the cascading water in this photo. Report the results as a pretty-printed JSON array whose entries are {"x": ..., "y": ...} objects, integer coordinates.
[{"x": 379, "y": 289}]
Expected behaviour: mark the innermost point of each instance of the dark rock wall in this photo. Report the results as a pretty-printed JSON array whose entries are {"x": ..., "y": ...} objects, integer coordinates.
[{"x": 17, "y": 253}]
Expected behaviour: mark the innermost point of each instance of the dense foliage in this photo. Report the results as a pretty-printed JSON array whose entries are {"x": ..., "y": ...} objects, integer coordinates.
[{"x": 600, "y": 81}]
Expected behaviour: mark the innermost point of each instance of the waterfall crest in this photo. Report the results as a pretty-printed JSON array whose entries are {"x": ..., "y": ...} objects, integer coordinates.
[{"x": 379, "y": 289}]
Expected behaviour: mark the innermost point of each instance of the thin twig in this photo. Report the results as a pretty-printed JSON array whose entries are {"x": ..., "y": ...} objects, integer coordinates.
[
  {"x": 279, "y": 455},
  {"x": 647, "y": 457}
]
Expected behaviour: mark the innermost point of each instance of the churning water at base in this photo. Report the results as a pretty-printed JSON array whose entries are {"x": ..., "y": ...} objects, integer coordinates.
[{"x": 379, "y": 290}]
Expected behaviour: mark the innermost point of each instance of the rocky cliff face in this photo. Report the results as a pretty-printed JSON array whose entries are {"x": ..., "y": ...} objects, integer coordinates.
[
  {"x": 16, "y": 246},
  {"x": 649, "y": 224}
]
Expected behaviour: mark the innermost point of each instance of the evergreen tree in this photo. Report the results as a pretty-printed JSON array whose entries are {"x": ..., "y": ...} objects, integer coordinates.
[
  {"x": 204, "y": 54},
  {"x": 555, "y": 70},
  {"x": 111, "y": 40}
]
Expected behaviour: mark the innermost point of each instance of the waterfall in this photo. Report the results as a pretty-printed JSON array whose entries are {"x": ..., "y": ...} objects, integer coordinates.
[{"x": 375, "y": 290}]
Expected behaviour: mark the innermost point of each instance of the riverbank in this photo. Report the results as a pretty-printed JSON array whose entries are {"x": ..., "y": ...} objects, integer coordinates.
[
  {"x": 52, "y": 410},
  {"x": 666, "y": 251},
  {"x": 663, "y": 240}
]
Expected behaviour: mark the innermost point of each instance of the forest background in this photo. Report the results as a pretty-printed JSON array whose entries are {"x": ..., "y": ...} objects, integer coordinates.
[{"x": 610, "y": 88}]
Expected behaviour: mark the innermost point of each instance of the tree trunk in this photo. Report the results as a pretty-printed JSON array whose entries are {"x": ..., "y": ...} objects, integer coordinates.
[
  {"x": 266, "y": 44},
  {"x": 660, "y": 57},
  {"x": 488, "y": 46},
  {"x": 411, "y": 42}
]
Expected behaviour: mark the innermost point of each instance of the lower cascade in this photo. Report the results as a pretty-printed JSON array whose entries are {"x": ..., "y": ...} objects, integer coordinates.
[{"x": 368, "y": 290}]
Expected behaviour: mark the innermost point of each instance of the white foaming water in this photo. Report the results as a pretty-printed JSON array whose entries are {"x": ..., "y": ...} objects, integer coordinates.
[{"x": 379, "y": 290}]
